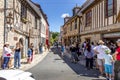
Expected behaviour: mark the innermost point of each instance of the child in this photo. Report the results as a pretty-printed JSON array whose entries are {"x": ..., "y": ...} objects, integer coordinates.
[{"x": 108, "y": 60}]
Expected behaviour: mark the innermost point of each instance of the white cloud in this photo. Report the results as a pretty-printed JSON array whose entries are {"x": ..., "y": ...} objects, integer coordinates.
[{"x": 65, "y": 15}]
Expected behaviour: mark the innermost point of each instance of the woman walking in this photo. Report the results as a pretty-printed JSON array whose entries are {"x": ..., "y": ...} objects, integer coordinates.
[
  {"x": 89, "y": 56},
  {"x": 32, "y": 49},
  {"x": 17, "y": 55},
  {"x": 29, "y": 54},
  {"x": 6, "y": 55}
]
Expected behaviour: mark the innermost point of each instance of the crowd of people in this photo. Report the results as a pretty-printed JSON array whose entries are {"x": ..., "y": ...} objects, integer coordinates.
[
  {"x": 104, "y": 56},
  {"x": 11, "y": 58}
]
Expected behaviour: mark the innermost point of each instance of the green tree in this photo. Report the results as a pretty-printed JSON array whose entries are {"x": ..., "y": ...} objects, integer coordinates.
[
  {"x": 55, "y": 34},
  {"x": 54, "y": 37}
]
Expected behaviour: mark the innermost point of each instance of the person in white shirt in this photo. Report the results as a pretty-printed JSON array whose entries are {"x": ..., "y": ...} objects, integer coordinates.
[
  {"x": 6, "y": 55},
  {"x": 100, "y": 51}
]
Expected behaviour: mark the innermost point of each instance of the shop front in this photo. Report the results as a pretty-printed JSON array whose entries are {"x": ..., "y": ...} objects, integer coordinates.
[{"x": 111, "y": 37}]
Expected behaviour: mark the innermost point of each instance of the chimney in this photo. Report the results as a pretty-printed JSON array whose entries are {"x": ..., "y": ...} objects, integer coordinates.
[
  {"x": 76, "y": 9},
  {"x": 66, "y": 19}
]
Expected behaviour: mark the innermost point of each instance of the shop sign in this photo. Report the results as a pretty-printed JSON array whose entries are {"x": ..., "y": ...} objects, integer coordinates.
[
  {"x": 15, "y": 38},
  {"x": 112, "y": 35}
]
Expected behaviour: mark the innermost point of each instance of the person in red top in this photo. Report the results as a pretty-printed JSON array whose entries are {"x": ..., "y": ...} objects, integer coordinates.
[{"x": 117, "y": 61}]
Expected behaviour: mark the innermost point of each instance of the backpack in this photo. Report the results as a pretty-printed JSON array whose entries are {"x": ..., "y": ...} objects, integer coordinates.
[{"x": 89, "y": 54}]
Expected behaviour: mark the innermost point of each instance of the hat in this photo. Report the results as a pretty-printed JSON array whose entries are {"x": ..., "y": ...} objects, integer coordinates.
[
  {"x": 72, "y": 45},
  {"x": 100, "y": 42},
  {"x": 6, "y": 43},
  {"x": 118, "y": 41}
]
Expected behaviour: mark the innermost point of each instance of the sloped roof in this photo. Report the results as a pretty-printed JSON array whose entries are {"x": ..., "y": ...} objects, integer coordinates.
[
  {"x": 36, "y": 9},
  {"x": 87, "y": 4}
]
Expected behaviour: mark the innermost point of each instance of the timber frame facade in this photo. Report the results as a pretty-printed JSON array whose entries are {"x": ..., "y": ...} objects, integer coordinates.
[
  {"x": 71, "y": 30},
  {"x": 99, "y": 19},
  {"x": 22, "y": 22}
]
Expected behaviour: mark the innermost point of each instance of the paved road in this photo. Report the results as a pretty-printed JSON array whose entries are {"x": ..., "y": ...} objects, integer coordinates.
[{"x": 55, "y": 68}]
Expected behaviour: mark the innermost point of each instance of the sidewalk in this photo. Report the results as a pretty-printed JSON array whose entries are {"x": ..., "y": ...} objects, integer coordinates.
[{"x": 37, "y": 58}]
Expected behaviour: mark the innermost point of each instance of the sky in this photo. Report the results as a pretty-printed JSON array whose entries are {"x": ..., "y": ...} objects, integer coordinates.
[{"x": 56, "y": 10}]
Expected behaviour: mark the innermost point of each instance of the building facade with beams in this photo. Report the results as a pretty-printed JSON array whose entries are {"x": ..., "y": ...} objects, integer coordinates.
[
  {"x": 44, "y": 30},
  {"x": 71, "y": 28},
  {"x": 99, "y": 19},
  {"x": 60, "y": 39},
  {"x": 20, "y": 21},
  {"x": 44, "y": 27}
]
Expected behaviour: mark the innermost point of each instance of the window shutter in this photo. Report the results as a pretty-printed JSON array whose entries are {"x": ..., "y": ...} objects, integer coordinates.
[
  {"x": 114, "y": 6},
  {"x": 106, "y": 8}
]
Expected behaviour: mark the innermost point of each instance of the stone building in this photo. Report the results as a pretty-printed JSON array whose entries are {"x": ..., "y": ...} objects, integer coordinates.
[
  {"x": 71, "y": 28},
  {"x": 44, "y": 27},
  {"x": 20, "y": 21},
  {"x": 60, "y": 39},
  {"x": 99, "y": 19}
]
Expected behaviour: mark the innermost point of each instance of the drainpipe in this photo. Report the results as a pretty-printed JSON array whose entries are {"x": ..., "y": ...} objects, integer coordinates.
[{"x": 5, "y": 20}]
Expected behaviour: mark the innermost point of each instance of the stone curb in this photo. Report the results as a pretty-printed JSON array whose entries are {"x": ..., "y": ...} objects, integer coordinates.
[{"x": 36, "y": 60}]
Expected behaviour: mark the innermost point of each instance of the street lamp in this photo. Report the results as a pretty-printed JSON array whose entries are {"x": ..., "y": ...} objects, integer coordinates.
[{"x": 9, "y": 19}]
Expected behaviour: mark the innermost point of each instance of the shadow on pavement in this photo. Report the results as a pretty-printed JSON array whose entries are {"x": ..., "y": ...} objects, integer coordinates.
[
  {"x": 24, "y": 63},
  {"x": 57, "y": 59},
  {"x": 80, "y": 69},
  {"x": 77, "y": 68},
  {"x": 55, "y": 50}
]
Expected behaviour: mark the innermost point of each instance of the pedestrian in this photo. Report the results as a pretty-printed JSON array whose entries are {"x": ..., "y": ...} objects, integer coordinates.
[
  {"x": 78, "y": 50},
  {"x": 62, "y": 50},
  {"x": 84, "y": 46},
  {"x": 108, "y": 61},
  {"x": 7, "y": 52},
  {"x": 89, "y": 56},
  {"x": 117, "y": 61},
  {"x": 40, "y": 48},
  {"x": 17, "y": 55},
  {"x": 29, "y": 54},
  {"x": 32, "y": 49},
  {"x": 74, "y": 57},
  {"x": 48, "y": 47},
  {"x": 99, "y": 50}
]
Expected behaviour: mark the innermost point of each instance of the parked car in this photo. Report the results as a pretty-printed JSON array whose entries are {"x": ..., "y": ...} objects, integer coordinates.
[{"x": 15, "y": 75}]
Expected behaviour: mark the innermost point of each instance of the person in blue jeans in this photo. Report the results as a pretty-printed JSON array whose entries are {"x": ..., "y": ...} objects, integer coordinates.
[
  {"x": 62, "y": 50},
  {"x": 40, "y": 48},
  {"x": 6, "y": 55},
  {"x": 29, "y": 54},
  {"x": 17, "y": 55}
]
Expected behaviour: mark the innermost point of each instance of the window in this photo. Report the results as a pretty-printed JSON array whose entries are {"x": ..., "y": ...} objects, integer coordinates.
[
  {"x": 75, "y": 23},
  {"x": 89, "y": 18},
  {"x": 23, "y": 13},
  {"x": 35, "y": 22},
  {"x": 110, "y": 7},
  {"x": 71, "y": 27}
]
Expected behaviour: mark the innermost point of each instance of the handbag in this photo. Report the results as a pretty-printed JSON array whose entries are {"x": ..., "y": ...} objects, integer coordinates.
[{"x": 8, "y": 55}]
